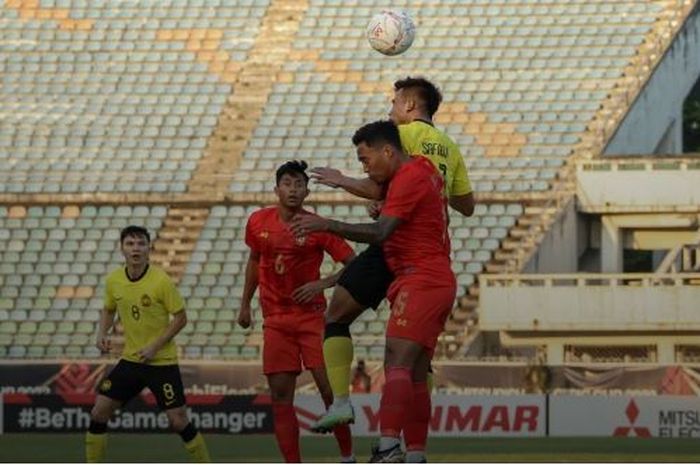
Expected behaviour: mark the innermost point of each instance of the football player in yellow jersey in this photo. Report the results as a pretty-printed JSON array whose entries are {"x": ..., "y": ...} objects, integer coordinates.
[
  {"x": 145, "y": 298},
  {"x": 415, "y": 102},
  {"x": 366, "y": 279}
]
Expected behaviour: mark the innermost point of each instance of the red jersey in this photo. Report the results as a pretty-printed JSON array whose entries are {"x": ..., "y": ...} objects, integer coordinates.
[
  {"x": 420, "y": 245},
  {"x": 286, "y": 262}
]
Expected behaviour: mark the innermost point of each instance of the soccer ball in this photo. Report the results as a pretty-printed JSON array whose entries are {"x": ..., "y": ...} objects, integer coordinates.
[{"x": 391, "y": 32}]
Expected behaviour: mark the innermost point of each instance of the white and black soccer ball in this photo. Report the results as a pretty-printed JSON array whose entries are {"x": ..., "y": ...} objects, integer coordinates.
[{"x": 391, "y": 32}]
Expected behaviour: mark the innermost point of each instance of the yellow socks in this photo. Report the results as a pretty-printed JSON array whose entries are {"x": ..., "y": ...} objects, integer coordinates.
[
  {"x": 337, "y": 354},
  {"x": 95, "y": 446},
  {"x": 197, "y": 449}
]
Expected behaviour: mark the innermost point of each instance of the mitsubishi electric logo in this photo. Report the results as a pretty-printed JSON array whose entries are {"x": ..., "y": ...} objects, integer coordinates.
[{"x": 632, "y": 412}]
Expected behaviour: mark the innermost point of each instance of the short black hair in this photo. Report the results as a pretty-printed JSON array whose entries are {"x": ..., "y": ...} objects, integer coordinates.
[
  {"x": 134, "y": 231},
  {"x": 292, "y": 167},
  {"x": 427, "y": 92},
  {"x": 378, "y": 132}
]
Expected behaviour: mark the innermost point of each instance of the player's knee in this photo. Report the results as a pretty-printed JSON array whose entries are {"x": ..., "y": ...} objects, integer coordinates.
[
  {"x": 100, "y": 414},
  {"x": 420, "y": 374},
  {"x": 335, "y": 312},
  {"x": 178, "y": 420},
  {"x": 282, "y": 394},
  {"x": 343, "y": 307},
  {"x": 390, "y": 355},
  {"x": 399, "y": 352},
  {"x": 178, "y": 424},
  {"x": 335, "y": 329}
]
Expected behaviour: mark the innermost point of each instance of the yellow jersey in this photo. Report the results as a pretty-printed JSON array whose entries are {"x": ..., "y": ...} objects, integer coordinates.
[
  {"x": 421, "y": 138},
  {"x": 144, "y": 307}
]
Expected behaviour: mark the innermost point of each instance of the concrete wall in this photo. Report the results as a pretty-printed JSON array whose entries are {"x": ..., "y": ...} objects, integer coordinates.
[
  {"x": 645, "y": 188},
  {"x": 588, "y": 303},
  {"x": 655, "y": 119},
  {"x": 559, "y": 250}
]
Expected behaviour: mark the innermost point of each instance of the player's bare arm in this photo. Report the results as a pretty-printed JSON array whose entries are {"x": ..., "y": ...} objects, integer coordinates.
[
  {"x": 306, "y": 292},
  {"x": 369, "y": 233},
  {"x": 178, "y": 322},
  {"x": 106, "y": 322},
  {"x": 245, "y": 317},
  {"x": 463, "y": 203},
  {"x": 361, "y": 187}
]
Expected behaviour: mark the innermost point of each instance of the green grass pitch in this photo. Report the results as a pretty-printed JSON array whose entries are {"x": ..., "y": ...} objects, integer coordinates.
[{"x": 262, "y": 448}]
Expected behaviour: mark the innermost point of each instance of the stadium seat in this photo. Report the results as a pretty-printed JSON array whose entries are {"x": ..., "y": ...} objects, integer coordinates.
[{"x": 249, "y": 352}]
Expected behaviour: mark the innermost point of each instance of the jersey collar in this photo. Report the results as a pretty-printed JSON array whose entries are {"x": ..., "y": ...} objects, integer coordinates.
[
  {"x": 138, "y": 278},
  {"x": 429, "y": 123}
]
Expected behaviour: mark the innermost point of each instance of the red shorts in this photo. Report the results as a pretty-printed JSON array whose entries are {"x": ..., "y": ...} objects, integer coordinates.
[
  {"x": 292, "y": 339},
  {"x": 419, "y": 310}
]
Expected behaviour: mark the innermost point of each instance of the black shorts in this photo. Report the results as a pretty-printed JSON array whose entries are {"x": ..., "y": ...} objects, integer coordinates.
[
  {"x": 367, "y": 278},
  {"x": 127, "y": 380}
]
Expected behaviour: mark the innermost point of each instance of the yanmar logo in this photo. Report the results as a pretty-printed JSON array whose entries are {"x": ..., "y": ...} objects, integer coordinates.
[
  {"x": 475, "y": 418},
  {"x": 632, "y": 412},
  {"x": 452, "y": 416}
]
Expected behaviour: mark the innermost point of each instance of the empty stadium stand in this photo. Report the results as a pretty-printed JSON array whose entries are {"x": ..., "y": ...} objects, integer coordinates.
[
  {"x": 54, "y": 260},
  {"x": 174, "y": 114}
]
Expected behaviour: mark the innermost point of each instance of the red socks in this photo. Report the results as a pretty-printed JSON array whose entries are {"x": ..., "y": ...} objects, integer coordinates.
[
  {"x": 397, "y": 399},
  {"x": 344, "y": 437},
  {"x": 287, "y": 431},
  {"x": 416, "y": 431}
]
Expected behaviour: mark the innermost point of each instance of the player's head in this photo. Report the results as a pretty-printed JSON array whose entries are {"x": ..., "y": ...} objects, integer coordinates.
[
  {"x": 135, "y": 244},
  {"x": 379, "y": 149},
  {"x": 414, "y": 97},
  {"x": 292, "y": 183}
]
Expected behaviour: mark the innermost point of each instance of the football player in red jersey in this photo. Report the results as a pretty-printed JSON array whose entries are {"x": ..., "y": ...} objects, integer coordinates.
[
  {"x": 412, "y": 229},
  {"x": 286, "y": 268}
]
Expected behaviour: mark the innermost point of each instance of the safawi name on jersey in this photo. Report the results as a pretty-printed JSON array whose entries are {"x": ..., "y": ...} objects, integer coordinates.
[{"x": 433, "y": 148}]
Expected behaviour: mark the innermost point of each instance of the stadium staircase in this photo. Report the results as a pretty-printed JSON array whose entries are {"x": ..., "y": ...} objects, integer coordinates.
[
  {"x": 177, "y": 238},
  {"x": 684, "y": 258},
  {"x": 252, "y": 81}
]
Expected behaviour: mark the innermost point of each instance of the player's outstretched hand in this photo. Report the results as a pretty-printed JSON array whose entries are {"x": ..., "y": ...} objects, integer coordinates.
[
  {"x": 303, "y": 224},
  {"x": 375, "y": 208},
  {"x": 306, "y": 292},
  {"x": 103, "y": 343},
  {"x": 327, "y": 176},
  {"x": 245, "y": 320}
]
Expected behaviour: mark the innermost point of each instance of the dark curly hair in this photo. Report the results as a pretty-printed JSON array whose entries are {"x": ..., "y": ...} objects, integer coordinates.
[
  {"x": 378, "y": 132},
  {"x": 292, "y": 167}
]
